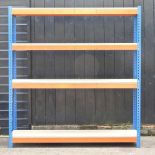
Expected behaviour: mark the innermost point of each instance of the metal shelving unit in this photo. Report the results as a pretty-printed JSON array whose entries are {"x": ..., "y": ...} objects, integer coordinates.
[{"x": 78, "y": 136}]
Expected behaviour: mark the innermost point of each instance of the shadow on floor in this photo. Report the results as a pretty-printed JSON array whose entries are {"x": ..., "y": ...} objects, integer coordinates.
[{"x": 70, "y": 145}]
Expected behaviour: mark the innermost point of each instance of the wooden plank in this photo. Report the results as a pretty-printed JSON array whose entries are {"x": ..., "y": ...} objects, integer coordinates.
[
  {"x": 89, "y": 65},
  {"x": 79, "y": 66},
  {"x": 74, "y": 136},
  {"x": 109, "y": 70},
  {"x": 74, "y": 140},
  {"x": 119, "y": 63},
  {"x": 38, "y": 71},
  {"x": 50, "y": 101},
  {"x": 99, "y": 30},
  {"x": 74, "y": 46},
  {"x": 73, "y": 133},
  {"x": 74, "y": 83},
  {"x": 33, "y": 71},
  {"x": 74, "y": 11},
  {"x": 70, "y": 67},
  {"x": 128, "y": 64},
  {"x": 149, "y": 61},
  {"x": 59, "y": 34}
]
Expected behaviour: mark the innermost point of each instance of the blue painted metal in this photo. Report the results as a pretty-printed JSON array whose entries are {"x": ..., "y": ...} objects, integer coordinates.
[
  {"x": 139, "y": 28},
  {"x": 14, "y": 77},
  {"x": 10, "y": 74},
  {"x": 135, "y": 74}
]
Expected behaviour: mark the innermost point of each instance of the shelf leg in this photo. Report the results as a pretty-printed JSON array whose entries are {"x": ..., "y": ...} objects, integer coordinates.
[
  {"x": 139, "y": 21},
  {"x": 10, "y": 74}
]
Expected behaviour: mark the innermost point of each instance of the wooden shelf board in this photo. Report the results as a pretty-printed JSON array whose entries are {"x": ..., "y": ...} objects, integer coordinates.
[
  {"x": 74, "y": 83},
  {"x": 74, "y": 46},
  {"x": 74, "y": 136},
  {"x": 75, "y": 11}
]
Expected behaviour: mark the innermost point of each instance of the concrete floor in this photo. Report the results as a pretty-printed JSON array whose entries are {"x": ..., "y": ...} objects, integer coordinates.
[{"x": 148, "y": 148}]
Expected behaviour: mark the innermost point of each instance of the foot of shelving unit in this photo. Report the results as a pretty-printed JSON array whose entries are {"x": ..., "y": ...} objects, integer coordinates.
[{"x": 10, "y": 144}]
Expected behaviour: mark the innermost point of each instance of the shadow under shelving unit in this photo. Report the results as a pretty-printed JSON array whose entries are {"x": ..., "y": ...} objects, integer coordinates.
[{"x": 75, "y": 136}]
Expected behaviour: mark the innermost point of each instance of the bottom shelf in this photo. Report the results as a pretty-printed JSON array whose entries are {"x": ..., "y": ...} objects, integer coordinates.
[{"x": 74, "y": 136}]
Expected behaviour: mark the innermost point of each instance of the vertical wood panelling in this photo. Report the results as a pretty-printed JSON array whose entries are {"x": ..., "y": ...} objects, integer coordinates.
[
  {"x": 79, "y": 66},
  {"x": 89, "y": 65},
  {"x": 33, "y": 107},
  {"x": 70, "y": 66},
  {"x": 92, "y": 106},
  {"x": 149, "y": 61},
  {"x": 109, "y": 64},
  {"x": 60, "y": 65},
  {"x": 50, "y": 67},
  {"x": 38, "y": 70},
  {"x": 119, "y": 64},
  {"x": 128, "y": 62},
  {"x": 83, "y": 106},
  {"x": 100, "y": 104}
]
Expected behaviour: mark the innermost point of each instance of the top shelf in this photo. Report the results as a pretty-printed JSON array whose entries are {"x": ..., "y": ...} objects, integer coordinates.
[{"x": 132, "y": 11}]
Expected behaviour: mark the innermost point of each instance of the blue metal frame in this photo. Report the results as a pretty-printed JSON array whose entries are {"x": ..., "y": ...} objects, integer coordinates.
[
  {"x": 137, "y": 75},
  {"x": 139, "y": 29},
  {"x": 10, "y": 74}
]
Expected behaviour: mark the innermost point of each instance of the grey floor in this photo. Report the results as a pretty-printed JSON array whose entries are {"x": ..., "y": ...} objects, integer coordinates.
[{"x": 148, "y": 148}]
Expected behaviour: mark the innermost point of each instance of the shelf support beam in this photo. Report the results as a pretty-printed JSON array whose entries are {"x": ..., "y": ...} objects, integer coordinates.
[
  {"x": 75, "y": 11},
  {"x": 74, "y": 46},
  {"x": 74, "y": 84}
]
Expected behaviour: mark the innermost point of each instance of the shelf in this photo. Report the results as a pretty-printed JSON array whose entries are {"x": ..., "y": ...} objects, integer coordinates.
[
  {"x": 74, "y": 83},
  {"x": 74, "y": 11},
  {"x": 74, "y": 46},
  {"x": 74, "y": 136}
]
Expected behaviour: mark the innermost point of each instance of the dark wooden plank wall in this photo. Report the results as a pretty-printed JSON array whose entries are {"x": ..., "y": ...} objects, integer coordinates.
[
  {"x": 91, "y": 106},
  {"x": 86, "y": 106}
]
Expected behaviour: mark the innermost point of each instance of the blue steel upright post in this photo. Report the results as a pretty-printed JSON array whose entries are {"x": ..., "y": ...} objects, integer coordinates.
[
  {"x": 14, "y": 77},
  {"x": 10, "y": 74},
  {"x": 138, "y": 122}
]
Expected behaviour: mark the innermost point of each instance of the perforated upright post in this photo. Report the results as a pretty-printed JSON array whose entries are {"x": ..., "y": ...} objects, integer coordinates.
[
  {"x": 10, "y": 74},
  {"x": 138, "y": 122}
]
